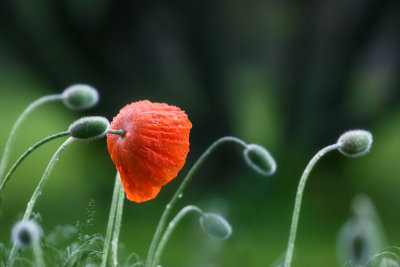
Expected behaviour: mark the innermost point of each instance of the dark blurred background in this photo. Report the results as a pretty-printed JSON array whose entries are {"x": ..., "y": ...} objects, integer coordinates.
[{"x": 289, "y": 75}]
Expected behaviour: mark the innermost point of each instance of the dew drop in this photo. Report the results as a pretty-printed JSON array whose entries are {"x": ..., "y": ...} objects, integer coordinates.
[{"x": 180, "y": 195}]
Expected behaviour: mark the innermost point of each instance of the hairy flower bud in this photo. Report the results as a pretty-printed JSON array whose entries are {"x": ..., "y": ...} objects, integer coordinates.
[
  {"x": 89, "y": 127},
  {"x": 26, "y": 233},
  {"x": 215, "y": 226},
  {"x": 355, "y": 143},
  {"x": 259, "y": 159},
  {"x": 80, "y": 96},
  {"x": 361, "y": 236}
]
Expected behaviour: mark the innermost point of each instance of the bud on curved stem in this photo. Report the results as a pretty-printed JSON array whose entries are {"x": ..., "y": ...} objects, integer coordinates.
[
  {"x": 352, "y": 143},
  {"x": 299, "y": 196},
  {"x": 76, "y": 97},
  {"x": 80, "y": 96},
  {"x": 355, "y": 143},
  {"x": 171, "y": 227},
  {"x": 179, "y": 191},
  {"x": 259, "y": 159},
  {"x": 213, "y": 225},
  {"x": 39, "y": 188},
  {"x": 89, "y": 128},
  {"x": 84, "y": 128},
  {"x": 17, "y": 124},
  {"x": 181, "y": 188}
]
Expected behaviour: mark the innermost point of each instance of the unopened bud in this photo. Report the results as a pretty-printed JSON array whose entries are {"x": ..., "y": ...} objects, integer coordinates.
[
  {"x": 80, "y": 96},
  {"x": 259, "y": 159},
  {"x": 89, "y": 127},
  {"x": 355, "y": 143},
  {"x": 215, "y": 226},
  {"x": 26, "y": 233}
]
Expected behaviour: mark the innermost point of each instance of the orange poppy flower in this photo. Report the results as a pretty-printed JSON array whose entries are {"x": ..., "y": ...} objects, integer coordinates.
[{"x": 153, "y": 149}]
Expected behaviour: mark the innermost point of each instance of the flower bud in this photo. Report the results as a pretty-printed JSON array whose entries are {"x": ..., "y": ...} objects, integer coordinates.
[
  {"x": 362, "y": 235},
  {"x": 259, "y": 159},
  {"x": 25, "y": 234},
  {"x": 215, "y": 226},
  {"x": 89, "y": 127},
  {"x": 80, "y": 96},
  {"x": 355, "y": 143}
]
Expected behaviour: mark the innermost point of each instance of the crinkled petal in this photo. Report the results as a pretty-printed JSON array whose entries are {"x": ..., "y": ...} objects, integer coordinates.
[{"x": 153, "y": 149}]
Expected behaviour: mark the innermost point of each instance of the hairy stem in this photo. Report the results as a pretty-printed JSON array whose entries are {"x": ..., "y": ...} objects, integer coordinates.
[
  {"x": 38, "y": 254},
  {"x": 21, "y": 118},
  {"x": 26, "y": 153},
  {"x": 111, "y": 219},
  {"x": 117, "y": 225},
  {"x": 181, "y": 188},
  {"x": 299, "y": 196},
  {"x": 171, "y": 227},
  {"x": 39, "y": 188}
]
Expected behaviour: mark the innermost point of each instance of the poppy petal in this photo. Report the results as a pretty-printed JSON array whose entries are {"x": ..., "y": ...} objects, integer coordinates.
[{"x": 153, "y": 149}]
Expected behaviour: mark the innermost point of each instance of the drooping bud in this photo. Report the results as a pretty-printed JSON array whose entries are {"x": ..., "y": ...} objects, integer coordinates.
[
  {"x": 89, "y": 127},
  {"x": 259, "y": 159},
  {"x": 361, "y": 236},
  {"x": 26, "y": 233},
  {"x": 215, "y": 226},
  {"x": 80, "y": 96},
  {"x": 355, "y": 143}
]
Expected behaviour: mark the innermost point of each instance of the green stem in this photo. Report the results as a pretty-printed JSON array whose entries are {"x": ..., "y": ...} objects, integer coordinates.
[
  {"x": 117, "y": 225},
  {"x": 299, "y": 196},
  {"x": 38, "y": 254},
  {"x": 39, "y": 188},
  {"x": 111, "y": 220},
  {"x": 181, "y": 188},
  {"x": 26, "y": 153},
  {"x": 11, "y": 137},
  {"x": 171, "y": 227},
  {"x": 117, "y": 132}
]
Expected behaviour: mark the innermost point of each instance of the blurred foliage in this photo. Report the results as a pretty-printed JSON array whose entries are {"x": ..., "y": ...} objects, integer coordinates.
[{"x": 289, "y": 75}]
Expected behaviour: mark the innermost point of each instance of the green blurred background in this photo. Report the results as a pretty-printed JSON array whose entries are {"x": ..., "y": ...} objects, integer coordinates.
[{"x": 289, "y": 75}]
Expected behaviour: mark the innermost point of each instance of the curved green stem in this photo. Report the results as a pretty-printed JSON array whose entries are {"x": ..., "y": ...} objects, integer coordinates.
[
  {"x": 115, "y": 208},
  {"x": 11, "y": 137},
  {"x": 26, "y": 153},
  {"x": 299, "y": 196},
  {"x": 171, "y": 227},
  {"x": 181, "y": 188},
  {"x": 39, "y": 188}
]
